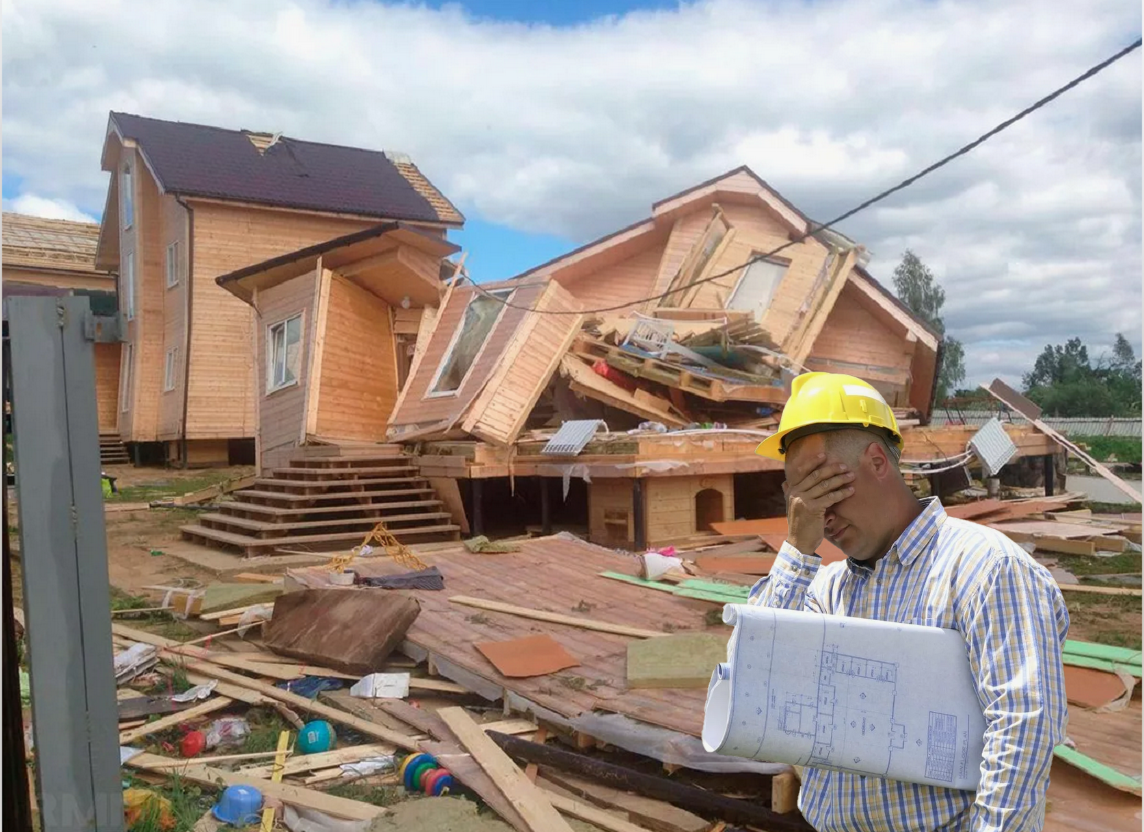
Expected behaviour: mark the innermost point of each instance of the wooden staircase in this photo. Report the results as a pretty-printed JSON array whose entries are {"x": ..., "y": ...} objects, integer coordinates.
[
  {"x": 112, "y": 451},
  {"x": 328, "y": 504}
]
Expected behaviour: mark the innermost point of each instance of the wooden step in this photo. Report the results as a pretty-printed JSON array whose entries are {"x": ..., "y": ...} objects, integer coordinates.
[
  {"x": 340, "y": 462},
  {"x": 302, "y": 486},
  {"x": 347, "y": 474},
  {"x": 241, "y": 507},
  {"x": 262, "y": 529},
  {"x": 285, "y": 496},
  {"x": 254, "y": 545}
]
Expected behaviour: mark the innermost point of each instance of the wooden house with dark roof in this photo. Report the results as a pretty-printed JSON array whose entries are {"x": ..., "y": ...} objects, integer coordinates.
[
  {"x": 57, "y": 257},
  {"x": 187, "y": 203}
]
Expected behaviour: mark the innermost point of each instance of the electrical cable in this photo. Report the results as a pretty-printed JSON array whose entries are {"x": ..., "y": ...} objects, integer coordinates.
[{"x": 905, "y": 183}]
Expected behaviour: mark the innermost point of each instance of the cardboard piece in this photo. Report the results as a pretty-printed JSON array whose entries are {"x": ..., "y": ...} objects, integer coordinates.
[
  {"x": 353, "y": 631},
  {"x": 530, "y": 656},
  {"x": 685, "y": 660},
  {"x": 1098, "y": 689}
]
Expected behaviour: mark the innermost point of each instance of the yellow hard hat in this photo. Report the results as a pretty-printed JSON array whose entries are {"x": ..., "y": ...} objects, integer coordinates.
[{"x": 830, "y": 401}]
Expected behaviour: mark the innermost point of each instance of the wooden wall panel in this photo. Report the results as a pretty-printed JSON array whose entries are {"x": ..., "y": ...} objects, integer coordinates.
[
  {"x": 283, "y": 412},
  {"x": 221, "y": 383},
  {"x": 627, "y": 282},
  {"x": 852, "y": 334},
  {"x": 610, "y": 520},
  {"x": 107, "y": 358},
  {"x": 756, "y": 230},
  {"x": 358, "y": 372},
  {"x": 173, "y": 229},
  {"x": 523, "y": 371},
  {"x": 684, "y": 234},
  {"x": 60, "y": 279},
  {"x": 417, "y": 408}
]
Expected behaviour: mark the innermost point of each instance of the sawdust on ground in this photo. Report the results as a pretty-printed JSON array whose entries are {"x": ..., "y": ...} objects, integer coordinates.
[{"x": 448, "y": 814}]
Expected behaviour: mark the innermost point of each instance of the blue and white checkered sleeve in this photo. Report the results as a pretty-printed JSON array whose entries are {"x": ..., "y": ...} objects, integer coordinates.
[
  {"x": 1014, "y": 625},
  {"x": 788, "y": 586}
]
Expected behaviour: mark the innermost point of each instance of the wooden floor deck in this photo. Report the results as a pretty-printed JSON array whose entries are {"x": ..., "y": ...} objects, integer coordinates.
[{"x": 558, "y": 575}]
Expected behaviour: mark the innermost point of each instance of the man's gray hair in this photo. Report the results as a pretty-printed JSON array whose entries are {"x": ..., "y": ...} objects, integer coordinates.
[{"x": 851, "y": 444}]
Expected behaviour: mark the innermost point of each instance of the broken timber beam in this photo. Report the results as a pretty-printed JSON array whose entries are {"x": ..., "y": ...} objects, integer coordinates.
[{"x": 692, "y": 798}]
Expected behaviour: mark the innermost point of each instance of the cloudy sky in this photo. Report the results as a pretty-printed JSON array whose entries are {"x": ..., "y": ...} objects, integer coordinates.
[{"x": 551, "y": 123}]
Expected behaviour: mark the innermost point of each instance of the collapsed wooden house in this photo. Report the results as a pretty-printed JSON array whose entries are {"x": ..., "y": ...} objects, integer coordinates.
[
  {"x": 186, "y": 203},
  {"x": 57, "y": 257},
  {"x": 661, "y": 353}
]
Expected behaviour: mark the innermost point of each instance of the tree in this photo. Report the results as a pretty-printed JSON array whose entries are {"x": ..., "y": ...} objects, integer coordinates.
[
  {"x": 920, "y": 291},
  {"x": 1064, "y": 382},
  {"x": 917, "y": 288}
]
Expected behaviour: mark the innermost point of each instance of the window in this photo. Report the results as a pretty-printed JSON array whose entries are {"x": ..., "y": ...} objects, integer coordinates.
[
  {"x": 127, "y": 284},
  {"x": 283, "y": 353},
  {"x": 125, "y": 379},
  {"x": 173, "y": 265},
  {"x": 480, "y": 316},
  {"x": 171, "y": 370},
  {"x": 757, "y": 285},
  {"x": 127, "y": 197}
]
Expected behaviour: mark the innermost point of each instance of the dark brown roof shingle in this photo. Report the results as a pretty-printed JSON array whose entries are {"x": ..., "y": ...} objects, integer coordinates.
[{"x": 197, "y": 160}]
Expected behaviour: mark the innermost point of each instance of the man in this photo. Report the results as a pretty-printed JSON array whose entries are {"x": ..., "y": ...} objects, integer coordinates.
[{"x": 907, "y": 561}]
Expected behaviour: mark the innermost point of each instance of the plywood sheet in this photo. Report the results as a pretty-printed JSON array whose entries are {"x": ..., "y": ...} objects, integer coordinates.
[
  {"x": 1054, "y": 528},
  {"x": 530, "y": 656},
  {"x": 1093, "y": 688},
  {"x": 742, "y": 564},
  {"x": 774, "y": 531},
  {"x": 685, "y": 660},
  {"x": 348, "y": 630}
]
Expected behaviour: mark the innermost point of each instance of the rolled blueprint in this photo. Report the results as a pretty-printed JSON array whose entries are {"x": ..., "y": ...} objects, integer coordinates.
[{"x": 850, "y": 694}]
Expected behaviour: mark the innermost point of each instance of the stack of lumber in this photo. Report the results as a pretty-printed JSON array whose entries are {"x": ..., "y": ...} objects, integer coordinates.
[{"x": 321, "y": 503}]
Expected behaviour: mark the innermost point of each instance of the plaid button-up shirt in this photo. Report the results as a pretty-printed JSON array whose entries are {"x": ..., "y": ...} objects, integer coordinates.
[{"x": 949, "y": 573}]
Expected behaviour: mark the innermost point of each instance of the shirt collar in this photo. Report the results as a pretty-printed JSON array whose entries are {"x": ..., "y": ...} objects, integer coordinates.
[{"x": 917, "y": 536}]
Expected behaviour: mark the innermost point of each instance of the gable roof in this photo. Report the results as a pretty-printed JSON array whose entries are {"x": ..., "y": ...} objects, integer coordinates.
[
  {"x": 38, "y": 243},
  {"x": 238, "y": 165}
]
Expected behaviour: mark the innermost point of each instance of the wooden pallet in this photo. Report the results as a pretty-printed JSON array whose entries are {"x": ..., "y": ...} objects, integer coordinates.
[{"x": 689, "y": 379}]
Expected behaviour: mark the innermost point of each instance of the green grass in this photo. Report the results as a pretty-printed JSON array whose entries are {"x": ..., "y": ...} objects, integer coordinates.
[
  {"x": 1105, "y": 619},
  {"x": 1124, "y": 448},
  {"x": 265, "y": 726},
  {"x": 377, "y": 795},
  {"x": 166, "y": 488},
  {"x": 1114, "y": 508},
  {"x": 188, "y": 803},
  {"x": 121, "y": 600},
  {"x": 1083, "y": 565}
]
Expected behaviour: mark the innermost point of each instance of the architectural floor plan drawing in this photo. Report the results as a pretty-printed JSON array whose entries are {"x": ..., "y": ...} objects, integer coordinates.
[{"x": 872, "y": 697}]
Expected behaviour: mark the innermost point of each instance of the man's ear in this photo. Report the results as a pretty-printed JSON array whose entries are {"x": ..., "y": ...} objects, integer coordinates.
[{"x": 878, "y": 460}]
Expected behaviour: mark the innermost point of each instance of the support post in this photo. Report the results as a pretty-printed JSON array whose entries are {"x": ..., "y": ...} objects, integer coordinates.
[
  {"x": 64, "y": 558},
  {"x": 639, "y": 516},
  {"x": 545, "y": 507},
  {"x": 1050, "y": 475},
  {"x": 476, "y": 489}
]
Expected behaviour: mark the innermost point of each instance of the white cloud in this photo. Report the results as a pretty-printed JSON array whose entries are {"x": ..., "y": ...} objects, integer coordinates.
[
  {"x": 50, "y": 209},
  {"x": 575, "y": 131}
]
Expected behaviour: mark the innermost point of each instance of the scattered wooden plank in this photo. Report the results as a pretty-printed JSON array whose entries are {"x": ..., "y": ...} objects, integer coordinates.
[
  {"x": 228, "y": 596},
  {"x": 656, "y": 815},
  {"x": 534, "y": 807},
  {"x": 209, "y": 493},
  {"x": 784, "y": 793},
  {"x": 327, "y": 759},
  {"x": 219, "y": 615},
  {"x": 276, "y": 777},
  {"x": 556, "y": 618},
  {"x": 227, "y": 758},
  {"x": 532, "y": 769},
  {"x": 1101, "y": 590},
  {"x": 587, "y": 812},
  {"x": 216, "y": 703},
  {"x": 339, "y": 807},
  {"x": 255, "y": 578}
]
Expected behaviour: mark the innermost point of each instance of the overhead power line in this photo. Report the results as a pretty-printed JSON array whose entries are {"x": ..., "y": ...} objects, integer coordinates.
[{"x": 905, "y": 183}]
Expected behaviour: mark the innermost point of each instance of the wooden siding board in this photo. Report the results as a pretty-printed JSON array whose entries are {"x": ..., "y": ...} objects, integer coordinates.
[
  {"x": 854, "y": 335},
  {"x": 499, "y": 413},
  {"x": 417, "y": 408},
  {"x": 107, "y": 359},
  {"x": 173, "y": 229},
  {"x": 625, "y": 283},
  {"x": 281, "y": 413},
  {"x": 358, "y": 371},
  {"x": 144, "y": 240},
  {"x": 222, "y": 374}
]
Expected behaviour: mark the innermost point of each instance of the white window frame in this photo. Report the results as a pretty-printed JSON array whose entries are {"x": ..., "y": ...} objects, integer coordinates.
[
  {"x": 127, "y": 196},
  {"x": 272, "y": 385},
  {"x": 127, "y": 283},
  {"x": 126, "y": 376},
  {"x": 174, "y": 265},
  {"x": 430, "y": 393},
  {"x": 171, "y": 369},
  {"x": 774, "y": 261}
]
